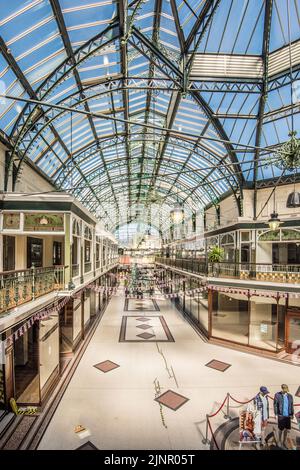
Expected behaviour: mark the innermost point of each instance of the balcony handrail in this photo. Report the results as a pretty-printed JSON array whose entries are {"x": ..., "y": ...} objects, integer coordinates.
[
  {"x": 241, "y": 270},
  {"x": 37, "y": 269},
  {"x": 196, "y": 260}
]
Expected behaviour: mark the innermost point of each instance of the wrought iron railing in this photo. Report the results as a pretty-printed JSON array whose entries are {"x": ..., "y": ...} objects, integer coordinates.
[
  {"x": 288, "y": 273},
  {"x": 19, "y": 287},
  {"x": 185, "y": 264}
]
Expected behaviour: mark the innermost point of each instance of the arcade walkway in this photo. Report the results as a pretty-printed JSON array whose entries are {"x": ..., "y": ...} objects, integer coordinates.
[{"x": 117, "y": 408}]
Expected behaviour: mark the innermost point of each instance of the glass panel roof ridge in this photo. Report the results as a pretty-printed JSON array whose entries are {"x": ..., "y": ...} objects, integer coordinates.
[{"x": 130, "y": 82}]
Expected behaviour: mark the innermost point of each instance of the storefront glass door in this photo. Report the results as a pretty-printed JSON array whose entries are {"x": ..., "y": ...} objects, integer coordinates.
[
  {"x": 26, "y": 366},
  {"x": 34, "y": 252},
  {"x": 292, "y": 332}
]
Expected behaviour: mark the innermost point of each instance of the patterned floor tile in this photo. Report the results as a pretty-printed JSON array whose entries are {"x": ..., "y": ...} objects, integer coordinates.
[
  {"x": 159, "y": 329},
  {"x": 218, "y": 365},
  {"x": 106, "y": 366},
  {"x": 145, "y": 335},
  {"x": 87, "y": 446},
  {"x": 172, "y": 400},
  {"x": 144, "y": 327}
]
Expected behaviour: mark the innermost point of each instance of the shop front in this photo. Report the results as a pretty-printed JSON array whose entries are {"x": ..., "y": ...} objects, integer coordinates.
[
  {"x": 257, "y": 322},
  {"x": 260, "y": 320},
  {"x": 292, "y": 329}
]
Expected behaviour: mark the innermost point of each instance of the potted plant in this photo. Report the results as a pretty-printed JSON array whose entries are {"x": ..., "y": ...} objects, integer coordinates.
[{"x": 215, "y": 255}]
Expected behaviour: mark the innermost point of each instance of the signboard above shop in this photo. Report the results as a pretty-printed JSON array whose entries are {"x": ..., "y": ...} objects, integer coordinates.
[{"x": 43, "y": 222}]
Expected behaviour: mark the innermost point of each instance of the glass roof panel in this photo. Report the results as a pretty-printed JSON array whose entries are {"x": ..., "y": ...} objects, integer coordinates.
[{"x": 202, "y": 143}]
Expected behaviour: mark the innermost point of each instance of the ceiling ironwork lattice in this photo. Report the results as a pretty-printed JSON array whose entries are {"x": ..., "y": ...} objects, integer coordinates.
[{"x": 170, "y": 99}]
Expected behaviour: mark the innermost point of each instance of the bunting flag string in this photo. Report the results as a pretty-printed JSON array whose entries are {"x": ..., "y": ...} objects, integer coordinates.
[
  {"x": 42, "y": 314},
  {"x": 46, "y": 312}
]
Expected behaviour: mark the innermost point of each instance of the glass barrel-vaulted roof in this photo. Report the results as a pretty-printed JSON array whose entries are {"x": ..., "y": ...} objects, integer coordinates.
[{"x": 133, "y": 105}]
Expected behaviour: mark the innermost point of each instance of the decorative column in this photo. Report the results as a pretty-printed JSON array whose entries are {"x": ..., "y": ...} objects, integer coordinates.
[
  {"x": 210, "y": 310},
  {"x": 81, "y": 255},
  {"x": 9, "y": 371},
  {"x": 1, "y": 253},
  {"x": 67, "y": 252}
]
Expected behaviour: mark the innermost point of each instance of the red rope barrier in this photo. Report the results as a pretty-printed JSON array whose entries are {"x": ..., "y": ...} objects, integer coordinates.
[
  {"x": 241, "y": 402},
  {"x": 228, "y": 396},
  {"x": 211, "y": 416},
  {"x": 212, "y": 434}
]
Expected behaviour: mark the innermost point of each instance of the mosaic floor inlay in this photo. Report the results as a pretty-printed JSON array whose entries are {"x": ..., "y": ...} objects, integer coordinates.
[
  {"x": 106, "y": 366},
  {"x": 172, "y": 400},
  {"x": 144, "y": 327},
  {"x": 148, "y": 305},
  {"x": 87, "y": 446},
  {"x": 218, "y": 365},
  {"x": 146, "y": 335},
  {"x": 157, "y": 329}
]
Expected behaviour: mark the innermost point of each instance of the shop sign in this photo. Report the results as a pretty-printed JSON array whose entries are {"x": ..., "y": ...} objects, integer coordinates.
[
  {"x": 43, "y": 223},
  {"x": 269, "y": 236},
  {"x": 290, "y": 235}
]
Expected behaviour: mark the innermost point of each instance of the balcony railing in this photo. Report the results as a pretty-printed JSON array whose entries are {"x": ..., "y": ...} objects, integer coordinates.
[
  {"x": 286, "y": 273},
  {"x": 19, "y": 287},
  {"x": 185, "y": 264}
]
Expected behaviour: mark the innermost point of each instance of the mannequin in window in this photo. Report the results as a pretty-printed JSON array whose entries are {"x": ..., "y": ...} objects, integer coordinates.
[
  {"x": 261, "y": 402},
  {"x": 284, "y": 410}
]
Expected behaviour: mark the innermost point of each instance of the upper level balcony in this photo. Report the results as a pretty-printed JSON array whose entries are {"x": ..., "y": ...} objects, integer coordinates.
[
  {"x": 283, "y": 273},
  {"x": 49, "y": 245},
  {"x": 25, "y": 285}
]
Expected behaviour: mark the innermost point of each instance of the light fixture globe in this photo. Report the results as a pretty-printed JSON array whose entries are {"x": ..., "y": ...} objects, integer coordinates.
[
  {"x": 274, "y": 222},
  {"x": 177, "y": 214}
]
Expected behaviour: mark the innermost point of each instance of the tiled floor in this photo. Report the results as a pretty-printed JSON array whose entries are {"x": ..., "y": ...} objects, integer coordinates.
[
  {"x": 106, "y": 366},
  {"x": 172, "y": 400},
  {"x": 119, "y": 407},
  {"x": 218, "y": 365}
]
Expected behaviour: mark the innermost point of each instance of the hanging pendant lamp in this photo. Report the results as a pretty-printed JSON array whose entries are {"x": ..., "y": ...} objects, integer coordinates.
[
  {"x": 274, "y": 221},
  {"x": 293, "y": 199},
  {"x": 177, "y": 213}
]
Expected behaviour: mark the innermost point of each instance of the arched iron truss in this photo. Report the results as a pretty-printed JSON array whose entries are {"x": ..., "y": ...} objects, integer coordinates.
[{"x": 147, "y": 122}]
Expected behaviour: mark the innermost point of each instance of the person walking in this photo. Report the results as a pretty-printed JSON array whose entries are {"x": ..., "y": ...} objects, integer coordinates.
[
  {"x": 284, "y": 410},
  {"x": 261, "y": 402}
]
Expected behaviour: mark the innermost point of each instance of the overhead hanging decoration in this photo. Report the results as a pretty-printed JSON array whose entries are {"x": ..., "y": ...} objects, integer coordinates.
[{"x": 288, "y": 154}]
